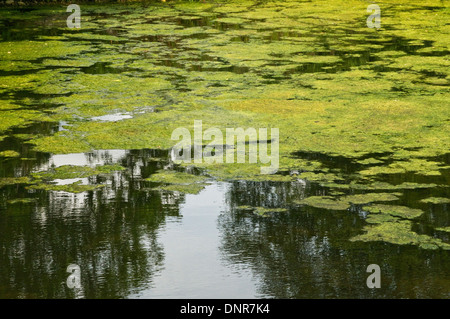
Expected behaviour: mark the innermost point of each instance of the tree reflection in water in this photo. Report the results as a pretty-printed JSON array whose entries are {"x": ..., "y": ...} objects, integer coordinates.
[
  {"x": 305, "y": 252},
  {"x": 111, "y": 233}
]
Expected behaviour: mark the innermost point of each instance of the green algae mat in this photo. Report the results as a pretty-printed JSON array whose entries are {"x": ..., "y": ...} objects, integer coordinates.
[{"x": 87, "y": 115}]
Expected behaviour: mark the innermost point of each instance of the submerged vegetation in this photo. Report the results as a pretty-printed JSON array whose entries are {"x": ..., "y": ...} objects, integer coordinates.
[{"x": 359, "y": 110}]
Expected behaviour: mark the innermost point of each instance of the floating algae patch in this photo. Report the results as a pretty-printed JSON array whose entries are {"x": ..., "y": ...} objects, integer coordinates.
[
  {"x": 9, "y": 153},
  {"x": 380, "y": 218},
  {"x": 76, "y": 187},
  {"x": 266, "y": 212},
  {"x": 325, "y": 202},
  {"x": 186, "y": 189},
  {"x": 369, "y": 161},
  {"x": 72, "y": 171},
  {"x": 31, "y": 50},
  {"x": 173, "y": 177},
  {"x": 436, "y": 200},
  {"x": 262, "y": 211},
  {"x": 445, "y": 229},
  {"x": 21, "y": 201},
  {"x": 311, "y": 109},
  {"x": 397, "y": 211},
  {"x": 359, "y": 199},
  {"x": 4, "y": 181},
  {"x": 418, "y": 166},
  {"x": 320, "y": 177},
  {"x": 102, "y": 94},
  {"x": 178, "y": 181},
  {"x": 399, "y": 233},
  {"x": 17, "y": 118}
]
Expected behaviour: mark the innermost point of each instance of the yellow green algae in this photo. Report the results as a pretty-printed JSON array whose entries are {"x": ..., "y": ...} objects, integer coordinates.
[
  {"x": 359, "y": 199},
  {"x": 344, "y": 202},
  {"x": 72, "y": 171},
  {"x": 338, "y": 89},
  {"x": 436, "y": 200},
  {"x": 4, "y": 181},
  {"x": 76, "y": 187},
  {"x": 45, "y": 180},
  {"x": 178, "y": 181},
  {"x": 397, "y": 211},
  {"x": 21, "y": 201},
  {"x": 9, "y": 153},
  {"x": 262, "y": 211},
  {"x": 325, "y": 202},
  {"x": 445, "y": 229},
  {"x": 399, "y": 232}
]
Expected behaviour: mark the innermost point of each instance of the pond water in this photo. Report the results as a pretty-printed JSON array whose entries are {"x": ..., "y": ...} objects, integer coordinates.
[{"x": 86, "y": 175}]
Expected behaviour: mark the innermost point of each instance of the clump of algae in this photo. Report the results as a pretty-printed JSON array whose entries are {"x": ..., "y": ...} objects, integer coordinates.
[
  {"x": 9, "y": 153},
  {"x": 369, "y": 198},
  {"x": 21, "y": 201},
  {"x": 344, "y": 202},
  {"x": 399, "y": 232},
  {"x": 73, "y": 171},
  {"x": 262, "y": 211},
  {"x": 398, "y": 211},
  {"x": 178, "y": 181},
  {"x": 76, "y": 187},
  {"x": 353, "y": 112},
  {"x": 436, "y": 200},
  {"x": 325, "y": 202}
]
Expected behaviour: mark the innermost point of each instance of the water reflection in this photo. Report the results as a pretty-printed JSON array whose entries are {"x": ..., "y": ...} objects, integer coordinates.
[
  {"x": 134, "y": 242},
  {"x": 111, "y": 233},
  {"x": 305, "y": 253}
]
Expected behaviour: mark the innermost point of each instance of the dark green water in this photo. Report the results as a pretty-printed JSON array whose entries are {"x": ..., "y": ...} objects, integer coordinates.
[{"x": 132, "y": 241}]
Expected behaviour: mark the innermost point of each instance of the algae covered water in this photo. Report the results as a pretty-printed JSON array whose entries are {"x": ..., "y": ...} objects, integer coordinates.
[{"x": 88, "y": 180}]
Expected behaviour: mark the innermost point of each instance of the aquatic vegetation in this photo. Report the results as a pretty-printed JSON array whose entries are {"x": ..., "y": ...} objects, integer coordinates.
[
  {"x": 23, "y": 50},
  {"x": 370, "y": 198},
  {"x": 173, "y": 177},
  {"x": 344, "y": 202},
  {"x": 4, "y": 181},
  {"x": 266, "y": 212},
  {"x": 17, "y": 118},
  {"x": 418, "y": 166},
  {"x": 331, "y": 85},
  {"x": 445, "y": 229},
  {"x": 181, "y": 188},
  {"x": 325, "y": 202},
  {"x": 21, "y": 201},
  {"x": 76, "y": 187},
  {"x": 9, "y": 153},
  {"x": 369, "y": 161},
  {"x": 398, "y": 211},
  {"x": 399, "y": 233},
  {"x": 71, "y": 171},
  {"x": 436, "y": 200},
  {"x": 178, "y": 181},
  {"x": 262, "y": 211}
]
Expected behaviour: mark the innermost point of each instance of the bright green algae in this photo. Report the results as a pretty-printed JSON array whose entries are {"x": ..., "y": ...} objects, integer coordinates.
[
  {"x": 178, "y": 181},
  {"x": 267, "y": 65}
]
